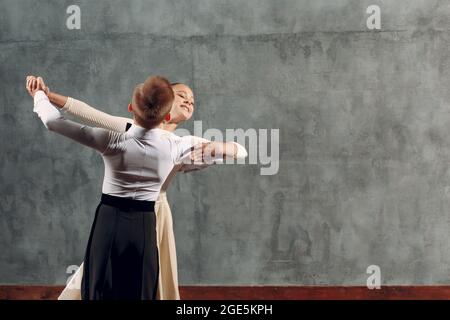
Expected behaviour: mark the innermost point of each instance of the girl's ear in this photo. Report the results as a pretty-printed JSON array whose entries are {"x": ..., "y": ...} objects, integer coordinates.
[{"x": 130, "y": 108}]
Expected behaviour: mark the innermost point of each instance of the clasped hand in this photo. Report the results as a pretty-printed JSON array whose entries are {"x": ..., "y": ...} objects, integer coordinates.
[{"x": 34, "y": 84}]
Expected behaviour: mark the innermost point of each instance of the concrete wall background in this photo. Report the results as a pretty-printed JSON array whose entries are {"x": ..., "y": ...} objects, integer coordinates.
[{"x": 364, "y": 120}]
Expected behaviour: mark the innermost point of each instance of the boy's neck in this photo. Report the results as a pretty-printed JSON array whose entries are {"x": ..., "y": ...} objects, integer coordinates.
[
  {"x": 140, "y": 123},
  {"x": 164, "y": 126}
]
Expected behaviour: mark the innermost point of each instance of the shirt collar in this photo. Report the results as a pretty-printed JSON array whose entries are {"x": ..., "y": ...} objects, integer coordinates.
[{"x": 140, "y": 132}]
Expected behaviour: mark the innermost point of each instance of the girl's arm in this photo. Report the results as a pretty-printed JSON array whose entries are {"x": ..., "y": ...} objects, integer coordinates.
[
  {"x": 88, "y": 114},
  {"x": 82, "y": 110},
  {"x": 56, "y": 99}
]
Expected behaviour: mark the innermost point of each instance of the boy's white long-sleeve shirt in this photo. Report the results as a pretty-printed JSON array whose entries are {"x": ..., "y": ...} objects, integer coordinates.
[{"x": 137, "y": 161}]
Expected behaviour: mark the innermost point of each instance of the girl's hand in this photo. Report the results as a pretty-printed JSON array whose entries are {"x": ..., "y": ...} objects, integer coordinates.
[
  {"x": 32, "y": 85},
  {"x": 35, "y": 84},
  {"x": 42, "y": 85},
  {"x": 203, "y": 153}
]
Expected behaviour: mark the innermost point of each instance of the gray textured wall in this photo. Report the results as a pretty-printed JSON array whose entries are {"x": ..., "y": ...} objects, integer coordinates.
[{"x": 364, "y": 120}]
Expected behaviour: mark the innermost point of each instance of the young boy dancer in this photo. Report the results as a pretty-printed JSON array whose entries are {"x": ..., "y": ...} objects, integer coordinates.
[{"x": 121, "y": 260}]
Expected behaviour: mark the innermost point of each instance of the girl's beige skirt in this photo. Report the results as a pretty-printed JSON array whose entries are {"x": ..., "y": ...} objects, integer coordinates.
[{"x": 168, "y": 273}]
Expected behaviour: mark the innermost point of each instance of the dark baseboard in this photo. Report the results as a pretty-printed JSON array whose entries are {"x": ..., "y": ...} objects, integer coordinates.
[{"x": 34, "y": 292}]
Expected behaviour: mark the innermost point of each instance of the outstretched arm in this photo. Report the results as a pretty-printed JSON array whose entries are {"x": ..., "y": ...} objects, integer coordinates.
[
  {"x": 95, "y": 138},
  {"x": 95, "y": 117},
  {"x": 198, "y": 153},
  {"x": 217, "y": 150},
  {"x": 85, "y": 112}
]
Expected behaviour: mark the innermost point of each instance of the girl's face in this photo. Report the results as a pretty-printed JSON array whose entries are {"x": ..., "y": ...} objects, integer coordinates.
[{"x": 183, "y": 104}]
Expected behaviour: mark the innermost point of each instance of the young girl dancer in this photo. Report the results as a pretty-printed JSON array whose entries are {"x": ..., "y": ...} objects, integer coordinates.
[
  {"x": 181, "y": 111},
  {"x": 121, "y": 257}
]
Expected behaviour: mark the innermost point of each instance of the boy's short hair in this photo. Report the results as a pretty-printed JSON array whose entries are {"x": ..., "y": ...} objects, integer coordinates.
[{"x": 154, "y": 99}]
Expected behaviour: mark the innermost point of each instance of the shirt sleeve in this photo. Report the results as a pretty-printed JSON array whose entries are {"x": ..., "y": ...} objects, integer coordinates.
[
  {"x": 185, "y": 147},
  {"x": 94, "y": 117},
  {"x": 95, "y": 138},
  {"x": 241, "y": 151}
]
